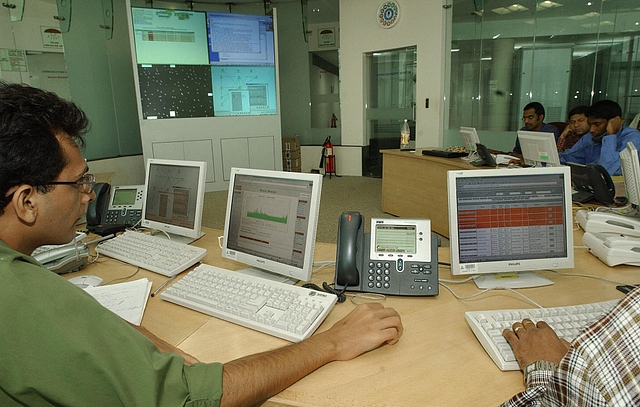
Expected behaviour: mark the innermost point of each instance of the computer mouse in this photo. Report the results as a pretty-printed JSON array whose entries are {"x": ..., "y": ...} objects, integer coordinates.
[{"x": 86, "y": 281}]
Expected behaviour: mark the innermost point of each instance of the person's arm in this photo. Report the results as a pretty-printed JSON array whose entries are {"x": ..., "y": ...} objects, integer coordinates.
[
  {"x": 164, "y": 346},
  {"x": 255, "y": 378},
  {"x": 538, "y": 351}
]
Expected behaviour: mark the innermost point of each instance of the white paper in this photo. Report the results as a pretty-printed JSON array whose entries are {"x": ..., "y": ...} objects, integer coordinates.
[{"x": 128, "y": 300}]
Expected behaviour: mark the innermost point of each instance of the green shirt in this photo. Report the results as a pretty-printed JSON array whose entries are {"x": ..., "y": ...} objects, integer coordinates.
[{"x": 58, "y": 346}]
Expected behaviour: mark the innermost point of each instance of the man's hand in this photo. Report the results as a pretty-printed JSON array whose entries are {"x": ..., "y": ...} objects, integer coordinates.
[
  {"x": 365, "y": 328},
  {"x": 531, "y": 342},
  {"x": 614, "y": 125}
]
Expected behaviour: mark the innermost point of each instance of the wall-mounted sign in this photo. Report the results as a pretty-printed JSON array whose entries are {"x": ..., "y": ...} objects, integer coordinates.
[
  {"x": 388, "y": 14},
  {"x": 51, "y": 37},
  {"x": 13, "y": 60},
  {"x": 327, "y": 37}
]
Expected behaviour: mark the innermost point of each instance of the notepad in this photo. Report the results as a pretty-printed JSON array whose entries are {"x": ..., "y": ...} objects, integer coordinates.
[{"x": 127, "y": 300}]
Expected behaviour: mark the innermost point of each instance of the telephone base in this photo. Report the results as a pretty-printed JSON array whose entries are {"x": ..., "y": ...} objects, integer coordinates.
[
  {"x": 605, "y": 222},
  {"x": 613, "y": 250}
]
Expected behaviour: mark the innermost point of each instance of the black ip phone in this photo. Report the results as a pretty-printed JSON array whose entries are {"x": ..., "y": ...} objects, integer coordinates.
[
  {"x": 115, "y": 208},
  {"x": 398, "y": 257}
]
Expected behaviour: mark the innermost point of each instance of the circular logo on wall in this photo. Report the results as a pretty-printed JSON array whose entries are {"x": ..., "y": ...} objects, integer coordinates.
[{"x": 388, "y": 14}]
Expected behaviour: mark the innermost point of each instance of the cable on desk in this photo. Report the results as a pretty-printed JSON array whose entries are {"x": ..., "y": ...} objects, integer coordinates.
[
  {"x": 587, "y": 276},
  {"x": 328, "y": 289},
  {"x": 486, "y": 290}
]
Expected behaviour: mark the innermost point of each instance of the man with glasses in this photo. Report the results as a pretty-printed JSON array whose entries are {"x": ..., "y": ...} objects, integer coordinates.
[
  {"x": 533, "y": 118},
  {"x": 608, "y": 137},
  {"x": 59, "y": 346}
]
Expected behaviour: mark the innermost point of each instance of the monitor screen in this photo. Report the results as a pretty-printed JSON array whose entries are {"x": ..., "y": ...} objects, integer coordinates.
[
  {"x": 174, "y": 197},
  {"x": 169, "y": 36},
  {"x": 240, "y": 39},
  {"x": 510, "y": 220},
  {"x": 539, "y": 149},
  {"x": 271, "y": 220},
  {"x": 631, "y": 172},
  {"x": 469, "y": 138}
]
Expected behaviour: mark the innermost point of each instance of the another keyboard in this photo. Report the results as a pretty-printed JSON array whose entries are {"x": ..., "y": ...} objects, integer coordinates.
[
  {"x": 153, "y": 253},
  {"x": 282, "y": 310},
  {"x": 566, "y": 321}
]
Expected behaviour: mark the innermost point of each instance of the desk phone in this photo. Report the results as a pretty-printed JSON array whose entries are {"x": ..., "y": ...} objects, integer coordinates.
[{"x": 398, "y": 257}]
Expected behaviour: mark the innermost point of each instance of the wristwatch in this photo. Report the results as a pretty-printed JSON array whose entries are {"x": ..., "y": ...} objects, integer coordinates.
[{"x": 539, "y": 365}]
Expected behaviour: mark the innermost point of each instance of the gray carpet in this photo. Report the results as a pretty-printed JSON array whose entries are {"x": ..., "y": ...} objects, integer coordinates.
[{"x": 339, "y": 194}]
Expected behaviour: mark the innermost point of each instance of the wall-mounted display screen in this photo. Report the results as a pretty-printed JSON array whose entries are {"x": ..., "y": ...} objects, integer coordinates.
[
  {"x": 197, "y": 64},
  {"x": 240, "y": 39},
  {"x": 169, "y": 36}
]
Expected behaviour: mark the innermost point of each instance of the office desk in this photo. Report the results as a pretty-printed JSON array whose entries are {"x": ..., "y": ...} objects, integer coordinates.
[
  {"x": 415, "y": 186},
  {"x": 437, "y": 362}
]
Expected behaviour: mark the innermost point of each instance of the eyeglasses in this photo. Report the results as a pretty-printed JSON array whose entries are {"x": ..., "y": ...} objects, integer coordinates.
[{"x": 84, "y": 184}]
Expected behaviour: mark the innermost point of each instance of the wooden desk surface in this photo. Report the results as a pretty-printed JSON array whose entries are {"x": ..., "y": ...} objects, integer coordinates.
[
  {"x": 415, "y": 186},
  {"x": 437, "y": 362}
]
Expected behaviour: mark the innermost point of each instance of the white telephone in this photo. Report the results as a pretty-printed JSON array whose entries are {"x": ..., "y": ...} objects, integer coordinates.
[
  {"x": 65, "y": 258},
  {"x": 612, "y": 238},
  {"x": 606, "y": 222}
]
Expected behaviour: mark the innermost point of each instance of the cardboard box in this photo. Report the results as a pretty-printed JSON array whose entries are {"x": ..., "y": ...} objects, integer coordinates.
[
  {"x": 291, "y": 143},
  {"x": 291, "y": 155},
  {"x": 291, "y": 165}
]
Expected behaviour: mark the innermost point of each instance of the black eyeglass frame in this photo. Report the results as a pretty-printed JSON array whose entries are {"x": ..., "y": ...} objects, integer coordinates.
[{"x": 86, "y": 183}]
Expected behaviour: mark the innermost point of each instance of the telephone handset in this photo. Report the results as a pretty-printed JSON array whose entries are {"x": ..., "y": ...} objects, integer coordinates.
[
  {"x": 114, "y": 208},
  {"x": 398, "y": 257},
  {"x": 595, "y": 179},
  {"x": 65, "y": 258}
]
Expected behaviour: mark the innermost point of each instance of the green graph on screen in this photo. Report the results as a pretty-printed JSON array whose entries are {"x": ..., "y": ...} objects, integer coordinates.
[{"x": 264, "y": 216}]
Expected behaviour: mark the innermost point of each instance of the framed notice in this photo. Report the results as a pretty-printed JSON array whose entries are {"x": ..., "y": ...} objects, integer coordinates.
[
  {"x": 327, "y": 37},
  {"x": 13, "y": 60}
]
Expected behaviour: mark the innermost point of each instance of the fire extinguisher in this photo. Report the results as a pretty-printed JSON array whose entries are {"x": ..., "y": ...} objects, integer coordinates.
[{"x": 330, "y": 163}]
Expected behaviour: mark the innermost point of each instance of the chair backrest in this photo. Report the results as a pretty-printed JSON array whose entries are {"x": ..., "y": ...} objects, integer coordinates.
[
  {"x": 559, "y": 125},
  {"x": 635, "y": 123}
]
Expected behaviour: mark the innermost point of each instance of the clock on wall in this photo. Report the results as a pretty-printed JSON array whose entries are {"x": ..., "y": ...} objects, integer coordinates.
[{"x": 388, "y": 14}]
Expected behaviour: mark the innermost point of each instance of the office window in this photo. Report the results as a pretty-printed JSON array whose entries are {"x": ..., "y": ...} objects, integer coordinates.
[{"x": 560, "y": 53}]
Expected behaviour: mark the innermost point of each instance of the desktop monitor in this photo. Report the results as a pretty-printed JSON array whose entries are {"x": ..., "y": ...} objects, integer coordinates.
[
  {"x": 271, "y": 222},
  {"x": 174, "y": 198},
  {"x": 539, "y": 149},
  {"x": 631, "y": 172},
  {"x": 510, "y": 221},
  {"x": 469, "y": 138}
]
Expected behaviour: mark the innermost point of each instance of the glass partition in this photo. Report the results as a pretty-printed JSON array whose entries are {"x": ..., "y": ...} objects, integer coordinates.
[
  {"x": 390, "y": 98},
  {"x": 561, "y": 54}
]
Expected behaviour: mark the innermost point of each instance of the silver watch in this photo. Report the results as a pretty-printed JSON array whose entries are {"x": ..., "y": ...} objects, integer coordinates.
[{"x": 539, "y": 365}]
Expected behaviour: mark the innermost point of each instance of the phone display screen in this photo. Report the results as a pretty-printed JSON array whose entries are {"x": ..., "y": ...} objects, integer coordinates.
[
  {"x": 124, "y": 196},
  {"x": 395, "y": 239}
]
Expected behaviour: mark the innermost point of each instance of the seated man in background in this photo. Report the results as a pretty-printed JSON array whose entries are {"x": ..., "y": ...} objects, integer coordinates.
[
  {"x": 578, "y": 126},
  {"x": 608, "y": 138},
  {"x": 59, "y": 346},
  {"x": 533, "y": 118}
]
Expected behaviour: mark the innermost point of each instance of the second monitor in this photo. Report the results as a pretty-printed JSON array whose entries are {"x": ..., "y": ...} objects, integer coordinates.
[
  {"x": 510, "y": 221},
  {"x": 271, "y": 222},
  {"x": 539, "y": 149}
]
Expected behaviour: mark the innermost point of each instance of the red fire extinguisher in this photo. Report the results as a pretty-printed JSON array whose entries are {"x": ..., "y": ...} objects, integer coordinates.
[{"x": 328, "y": 157}]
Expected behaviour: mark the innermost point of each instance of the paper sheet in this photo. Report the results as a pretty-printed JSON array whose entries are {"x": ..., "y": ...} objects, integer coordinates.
[{"x": 128, "y": 300}]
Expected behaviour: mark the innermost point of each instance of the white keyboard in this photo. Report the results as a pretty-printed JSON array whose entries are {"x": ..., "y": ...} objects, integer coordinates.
[
  {"x": 282, "y": 310},
  {"x": 567, "y": 321},
  {"x": 153, "y": 253}
]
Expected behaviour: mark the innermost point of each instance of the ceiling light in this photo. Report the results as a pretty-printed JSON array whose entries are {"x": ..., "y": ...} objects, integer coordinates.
[
  {"x": 496, "y": 36},
  {"x": 517, "y": 7},
  {"x": 501, "y": 10}
]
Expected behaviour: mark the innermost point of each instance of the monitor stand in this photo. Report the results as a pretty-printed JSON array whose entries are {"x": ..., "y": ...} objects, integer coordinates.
[
  {"x": 175, "y": 238},
  {"x": 524, "y": 279},
  {"x": 267, "y": 275}
]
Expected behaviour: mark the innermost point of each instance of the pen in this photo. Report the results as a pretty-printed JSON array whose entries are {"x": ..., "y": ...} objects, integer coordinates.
[{"x": 153, "y": 294}]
